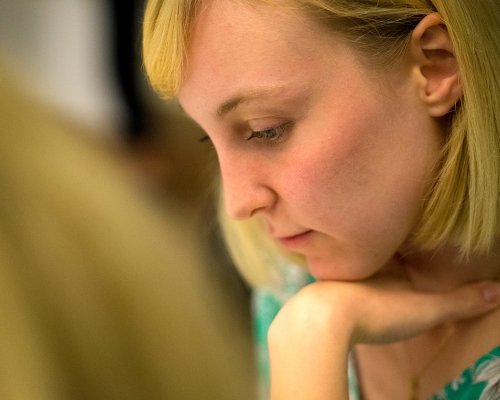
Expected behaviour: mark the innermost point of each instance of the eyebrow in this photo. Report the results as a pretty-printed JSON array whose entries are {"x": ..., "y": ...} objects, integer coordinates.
[
  {"x": 235, "y": 101},
  {"x": 230, "y": 105}
]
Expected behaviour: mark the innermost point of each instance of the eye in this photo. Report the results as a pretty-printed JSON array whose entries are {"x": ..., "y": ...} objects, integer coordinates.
[{"x": 272, "y": 135}]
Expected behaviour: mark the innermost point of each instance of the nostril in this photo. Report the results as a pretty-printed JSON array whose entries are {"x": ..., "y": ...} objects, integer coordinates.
[
  {"x": 244, "y": 203},
  {"x": 245, "y": 186},
  {"x": 256, "y": 211}
]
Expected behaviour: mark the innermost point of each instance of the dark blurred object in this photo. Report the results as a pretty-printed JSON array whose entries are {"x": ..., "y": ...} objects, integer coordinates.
[
  {"x": 126, "y": 15},
  {"x": 165, "y": 145}
]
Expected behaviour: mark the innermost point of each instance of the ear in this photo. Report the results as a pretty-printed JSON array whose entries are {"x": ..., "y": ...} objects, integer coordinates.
[{"x": 440, "y": 86}]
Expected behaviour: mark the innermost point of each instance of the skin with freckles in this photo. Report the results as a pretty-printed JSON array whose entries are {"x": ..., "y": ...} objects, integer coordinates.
[
  {"x": 337, "y": 160},
  {"x": 344, "y": 155}
]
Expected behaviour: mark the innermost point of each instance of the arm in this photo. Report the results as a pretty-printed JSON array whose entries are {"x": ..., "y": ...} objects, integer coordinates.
[
  {"x": 308, "y": 347},
  {"x": 312, "y": 335}
]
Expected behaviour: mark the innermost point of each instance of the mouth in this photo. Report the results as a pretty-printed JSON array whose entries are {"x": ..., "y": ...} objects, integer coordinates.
[{"x": 295, "y": 241}]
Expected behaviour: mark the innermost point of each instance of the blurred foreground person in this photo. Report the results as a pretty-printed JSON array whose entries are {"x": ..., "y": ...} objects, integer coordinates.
[{"x": 102, "y": 296}]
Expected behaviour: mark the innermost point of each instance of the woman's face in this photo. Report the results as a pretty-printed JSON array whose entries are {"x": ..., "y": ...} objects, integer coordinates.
[{"x": 335, "y": 159}]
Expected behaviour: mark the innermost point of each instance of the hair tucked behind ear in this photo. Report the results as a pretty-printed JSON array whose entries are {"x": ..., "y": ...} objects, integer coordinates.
[{"x": 463, "y": 206}]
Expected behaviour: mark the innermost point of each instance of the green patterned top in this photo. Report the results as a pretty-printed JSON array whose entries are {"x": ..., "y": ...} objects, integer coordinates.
[{"x": 479, "y": 382}]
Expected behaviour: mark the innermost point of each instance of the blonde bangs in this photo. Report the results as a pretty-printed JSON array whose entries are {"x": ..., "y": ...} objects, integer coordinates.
[{"x": 166, "y": 32}]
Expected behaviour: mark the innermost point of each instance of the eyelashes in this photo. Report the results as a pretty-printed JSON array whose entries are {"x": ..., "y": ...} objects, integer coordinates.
[{"x": 272, "y": 136}]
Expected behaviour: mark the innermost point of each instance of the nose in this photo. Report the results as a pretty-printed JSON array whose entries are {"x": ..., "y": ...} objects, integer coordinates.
[{"x": 246, "y": 187}]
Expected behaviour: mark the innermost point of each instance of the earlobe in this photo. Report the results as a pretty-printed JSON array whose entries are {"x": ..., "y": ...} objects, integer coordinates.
[{"x": 433, "y": 50}]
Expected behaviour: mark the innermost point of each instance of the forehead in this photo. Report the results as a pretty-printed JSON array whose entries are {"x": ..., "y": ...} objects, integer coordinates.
[{"x": 237, "y": 45}]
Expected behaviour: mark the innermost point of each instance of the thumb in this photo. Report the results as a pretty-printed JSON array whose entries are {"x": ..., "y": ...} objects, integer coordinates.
[
  {"x": 467, "y": 302},
  {"x": 411, "y": 313}
]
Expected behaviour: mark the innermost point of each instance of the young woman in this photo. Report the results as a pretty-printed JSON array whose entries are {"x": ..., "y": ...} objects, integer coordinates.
[{"x": 364, "y": 137}]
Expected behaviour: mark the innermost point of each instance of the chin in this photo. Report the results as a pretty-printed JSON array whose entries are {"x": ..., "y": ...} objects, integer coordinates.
[{"x": 338, "y": 270}]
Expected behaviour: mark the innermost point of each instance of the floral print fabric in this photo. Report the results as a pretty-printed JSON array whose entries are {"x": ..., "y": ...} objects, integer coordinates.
[{"x": 479, "y": 382}]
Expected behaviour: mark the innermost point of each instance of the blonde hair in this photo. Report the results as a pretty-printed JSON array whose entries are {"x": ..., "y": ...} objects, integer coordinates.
[{"x": 463, "y": 206}]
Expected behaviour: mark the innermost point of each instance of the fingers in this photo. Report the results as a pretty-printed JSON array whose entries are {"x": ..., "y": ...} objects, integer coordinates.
[
  {"x": 401, "y": 314},
  {"x": 381, "y": 310},
  {"x": 469, "y": 301}
]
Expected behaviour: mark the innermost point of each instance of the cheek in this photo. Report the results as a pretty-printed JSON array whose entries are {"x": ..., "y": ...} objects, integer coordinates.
[
  {"x": 336, "y": 166},
  {"x": 363, "y": 175},
  {"x": 328, "y": 180}
]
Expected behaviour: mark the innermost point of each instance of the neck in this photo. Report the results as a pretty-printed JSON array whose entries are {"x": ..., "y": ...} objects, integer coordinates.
[
  {"x": 427, "y": 362},
  {"x": 445, "y": 269}
]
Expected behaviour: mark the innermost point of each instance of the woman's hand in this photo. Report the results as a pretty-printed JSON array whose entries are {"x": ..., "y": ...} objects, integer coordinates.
[{"x": 313, "y": 333}]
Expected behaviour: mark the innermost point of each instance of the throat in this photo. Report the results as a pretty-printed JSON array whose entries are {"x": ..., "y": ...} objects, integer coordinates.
[
  {"x": 447, "y": 268},
  {"x": 420, "y": 367},
  {"x": 418, "y": 371}
]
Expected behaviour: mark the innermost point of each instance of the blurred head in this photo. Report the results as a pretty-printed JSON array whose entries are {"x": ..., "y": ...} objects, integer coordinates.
[
  {"x": 104, "y": 293},
  {"x": 344, "y": 129}
]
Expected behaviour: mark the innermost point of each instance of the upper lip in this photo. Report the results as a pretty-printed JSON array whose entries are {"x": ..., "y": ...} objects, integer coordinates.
[{"x": 285, "y": 232}]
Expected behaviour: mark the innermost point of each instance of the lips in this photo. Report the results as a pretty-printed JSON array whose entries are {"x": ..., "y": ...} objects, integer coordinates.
[{"x": 295, "y": 241}]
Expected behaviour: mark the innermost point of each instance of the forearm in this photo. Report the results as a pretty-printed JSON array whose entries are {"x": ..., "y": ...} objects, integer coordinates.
[
  {"x": 310, "y": 373},
  {"x": 309, "y": 348}
]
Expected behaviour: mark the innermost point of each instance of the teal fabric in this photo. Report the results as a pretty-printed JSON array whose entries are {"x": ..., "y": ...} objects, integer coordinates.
[{"x": 480, "y": 382}]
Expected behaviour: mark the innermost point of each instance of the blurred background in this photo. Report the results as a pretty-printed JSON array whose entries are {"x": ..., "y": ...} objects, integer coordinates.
[
  {"x": 84, "y": 58},
  {"x": 89, "y": 148}
]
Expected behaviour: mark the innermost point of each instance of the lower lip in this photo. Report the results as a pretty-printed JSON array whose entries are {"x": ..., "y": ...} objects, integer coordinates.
[{"x": 293, "y": 242}]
